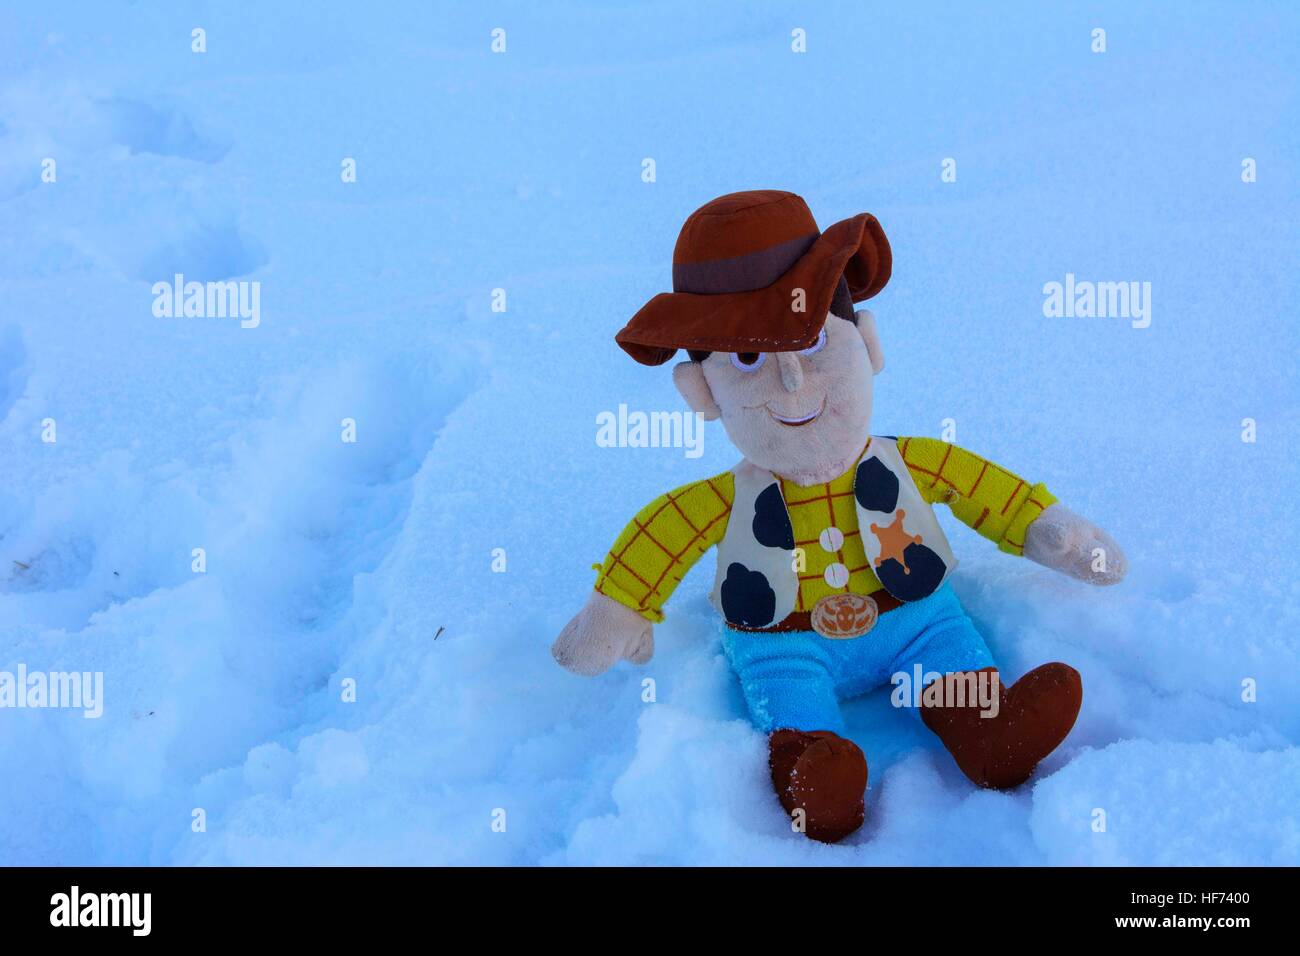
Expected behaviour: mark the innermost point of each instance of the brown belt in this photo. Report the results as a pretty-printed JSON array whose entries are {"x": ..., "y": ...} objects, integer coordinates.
[{"x": 802, "y": 620}]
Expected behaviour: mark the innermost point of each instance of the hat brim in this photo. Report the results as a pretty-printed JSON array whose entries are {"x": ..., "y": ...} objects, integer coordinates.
[{"x": 766, "y": 319}]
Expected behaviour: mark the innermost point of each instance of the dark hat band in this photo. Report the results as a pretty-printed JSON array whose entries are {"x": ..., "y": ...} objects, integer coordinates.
[{"x": 754, "y": 270}]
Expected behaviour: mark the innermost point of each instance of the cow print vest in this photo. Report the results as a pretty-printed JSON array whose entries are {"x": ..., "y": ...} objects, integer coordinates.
[{"x": 757, "y": 585}]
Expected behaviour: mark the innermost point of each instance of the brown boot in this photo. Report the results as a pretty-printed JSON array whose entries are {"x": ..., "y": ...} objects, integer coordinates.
[
  {"x": 823, "y": 775},
  {"x": 1034, "y": 716}
]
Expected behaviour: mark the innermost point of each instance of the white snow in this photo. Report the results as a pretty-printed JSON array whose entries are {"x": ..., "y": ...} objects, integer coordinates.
[{"x": 371, "y": 562}]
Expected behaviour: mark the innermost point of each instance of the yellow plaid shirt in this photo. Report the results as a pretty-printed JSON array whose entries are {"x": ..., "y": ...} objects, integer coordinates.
[{"x": 670, "y": 534}]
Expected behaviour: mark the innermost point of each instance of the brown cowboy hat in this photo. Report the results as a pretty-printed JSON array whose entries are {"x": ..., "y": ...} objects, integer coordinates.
[{"x": 739, "y": 263}]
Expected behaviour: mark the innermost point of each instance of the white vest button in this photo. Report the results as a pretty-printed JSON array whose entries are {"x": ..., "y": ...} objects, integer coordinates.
[
  {"x": 832, "y": 539},
  {"x": 836, "y": 575}
]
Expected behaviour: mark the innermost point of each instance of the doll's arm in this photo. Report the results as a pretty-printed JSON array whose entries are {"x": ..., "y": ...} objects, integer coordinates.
[
  {"x": 641, "y": 571},
  {"x": 1020, "y": 517},
  {"x": 663, "y": 542},
  {"x": 996, "y": 503}
]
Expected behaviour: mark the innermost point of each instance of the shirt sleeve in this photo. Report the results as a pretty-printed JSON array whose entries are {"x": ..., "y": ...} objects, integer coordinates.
[
  {"x": 996, "y": 503},
  {"x": 663, "y": 542}
]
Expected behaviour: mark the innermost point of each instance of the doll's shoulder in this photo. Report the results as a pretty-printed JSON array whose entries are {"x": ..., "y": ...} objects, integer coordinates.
[
  {"x": 694, "y": 513},
  {"x": 703, "y": 497}
]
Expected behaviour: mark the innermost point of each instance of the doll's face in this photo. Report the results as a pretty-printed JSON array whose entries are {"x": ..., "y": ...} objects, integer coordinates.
[{"x": 802, "y": 415}]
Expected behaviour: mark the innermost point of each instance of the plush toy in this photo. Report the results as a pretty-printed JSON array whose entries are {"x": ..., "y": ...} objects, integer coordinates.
[{"x": 832, "y": 568}]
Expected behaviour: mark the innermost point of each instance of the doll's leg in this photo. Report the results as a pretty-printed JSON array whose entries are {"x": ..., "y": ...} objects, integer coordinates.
[
  {"x": 996, "y": 734},
  {"x": 786, "y": 679},
  {"x": 935, "y": 631},
  {"x": 946, "y": 642},
  {"x": 819, "y": 777}
]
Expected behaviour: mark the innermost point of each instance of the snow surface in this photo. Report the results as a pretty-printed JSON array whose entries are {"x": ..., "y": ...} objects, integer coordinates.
[{"x": 476, "y": 430}]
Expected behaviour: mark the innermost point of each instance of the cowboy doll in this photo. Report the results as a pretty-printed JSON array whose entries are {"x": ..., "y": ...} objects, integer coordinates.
[{"x": 832, "y": 569}]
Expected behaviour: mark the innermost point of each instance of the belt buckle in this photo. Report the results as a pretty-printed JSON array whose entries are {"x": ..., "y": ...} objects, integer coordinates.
[{"x": 841, "y": 617}]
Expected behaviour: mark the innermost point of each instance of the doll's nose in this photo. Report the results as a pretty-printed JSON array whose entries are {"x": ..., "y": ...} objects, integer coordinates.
[{"x": 791, "y": 371}]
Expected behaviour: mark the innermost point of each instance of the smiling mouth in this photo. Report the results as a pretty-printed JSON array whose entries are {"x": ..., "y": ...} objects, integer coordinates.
[{"x": 803, "y": 420}]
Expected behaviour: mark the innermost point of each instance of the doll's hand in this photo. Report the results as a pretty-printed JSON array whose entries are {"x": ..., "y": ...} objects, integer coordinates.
[
  {"x": 600, "y": 635},
  {"x": 1065, "y": 542}
]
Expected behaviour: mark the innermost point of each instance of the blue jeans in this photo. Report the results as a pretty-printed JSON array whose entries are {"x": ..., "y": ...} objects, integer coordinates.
[{"x": 797, "y": 679}]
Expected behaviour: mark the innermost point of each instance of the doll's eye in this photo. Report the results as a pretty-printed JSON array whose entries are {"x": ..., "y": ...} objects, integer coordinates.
[
  {"x": 816, "y": 346},
  {"x": 748, "y": 361}
]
